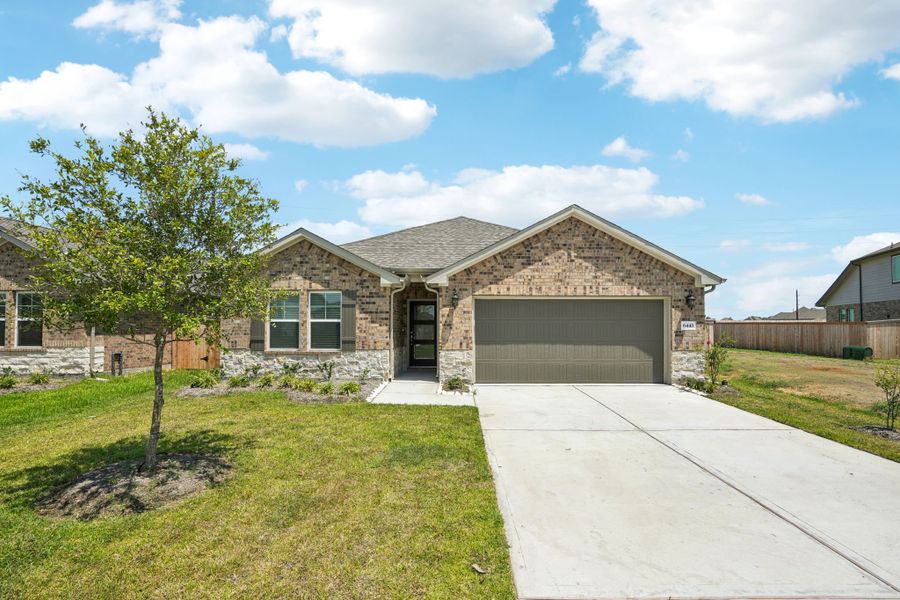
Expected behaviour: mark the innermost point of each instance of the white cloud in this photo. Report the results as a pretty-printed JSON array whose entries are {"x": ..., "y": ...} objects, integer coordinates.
[
  {"x": 516, "y": 195},
  {"x": 139, "y": 18},
  {"x": 620, "y": 147},
  {"x": 681, "y": 155},
  {"x": 733, "y": 245},
  {"x": 446, "y": 38},
  {"x": 338, "y": 233},
  {"x": 766, "y": 58},
  {"x": 892, "y": 72},
  {"x": 688, "y": 134},
  {"x": 563, "y": 70},
  {"x": 212, "y": 72},
  {"x": 279, "y": 32},
  {"x": 300, "y": 185},
  {"x": 785, "y": 246},
  {"x": 768, "y": 295},
  {"x": 754, "y": 199},
  {"x": 246, "y": 151},
  {"x": 862, "y": 245}
]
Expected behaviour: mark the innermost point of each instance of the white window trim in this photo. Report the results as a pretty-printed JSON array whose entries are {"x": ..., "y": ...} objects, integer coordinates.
[
  {"x": 893, "y": 258},
  {"x": 270, "y": 320},
  {"x": 310, "y": 321},
  {"x": 19, "y": 318},
  {"x": 4, "y": 300}
]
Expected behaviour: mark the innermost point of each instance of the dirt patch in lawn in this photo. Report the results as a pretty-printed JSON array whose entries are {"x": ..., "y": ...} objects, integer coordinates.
[
  {"x": 122, "y": 488},
  {"x": 38, "y": 387},
  {"x": 366, "y": 388},
  {"x": 882, "y": 432}
]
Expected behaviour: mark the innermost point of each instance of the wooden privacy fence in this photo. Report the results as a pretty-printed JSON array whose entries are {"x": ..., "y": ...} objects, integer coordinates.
[
  {"x": 813, "y": 337},
  {"x": 188, "y": 354}
]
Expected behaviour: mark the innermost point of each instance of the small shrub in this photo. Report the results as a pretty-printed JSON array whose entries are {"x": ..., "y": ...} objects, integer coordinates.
[
  {"x": 326, "y": 388},
  {"x": 305, "y": 385},
  {"x": 205, "y": 379},
  {"x": 8, "y": 381},
  {"x": 454, "y": 384},
  {"x": 349, "y": 388},
  {"x": 888, "y": 379},
  {"x": 238, "y": 381},
  {"x": 266, "y": 380},
  {"x": 326, "y": 369},
  {"x": 291, "y": 368},
  {"x": 714, "y": 360},
  {"x": 252, "y": 372},
  {"x": 39, "y": 378},
  {"x": 698, "y": 383},
  {"x": 364, "y": 375}
]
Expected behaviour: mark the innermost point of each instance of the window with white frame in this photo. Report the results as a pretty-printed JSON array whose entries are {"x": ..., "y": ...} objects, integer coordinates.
[
  {"x": 2, "y": 318},
  {"x": 895, "y": 268},
  {"x": 284, "y": 323},
  {"x": 29, "y": 320},
  {"x": 324, "y": 320}
]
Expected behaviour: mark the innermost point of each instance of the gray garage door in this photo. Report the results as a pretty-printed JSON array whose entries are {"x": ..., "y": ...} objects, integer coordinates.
[{"x": 569, "y": 341}]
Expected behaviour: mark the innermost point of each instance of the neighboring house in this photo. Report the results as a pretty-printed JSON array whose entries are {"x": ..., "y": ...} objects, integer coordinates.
[
  {"x": 26, "y": 344},
  {"x": 868, "y": 289},
  {"x": 572, "y": 298}
]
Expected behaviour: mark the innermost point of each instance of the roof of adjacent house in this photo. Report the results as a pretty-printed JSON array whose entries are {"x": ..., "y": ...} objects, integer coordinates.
[
  {"x": 894, "y": 247},
  {"x": 429, "y": 247},
  {"x": 16, "y": 232}
]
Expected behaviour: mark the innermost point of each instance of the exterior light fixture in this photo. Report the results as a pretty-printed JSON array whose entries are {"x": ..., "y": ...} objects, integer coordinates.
[
  {"x": 690, "y": 299},
  {"x": 454, "y": 299}
]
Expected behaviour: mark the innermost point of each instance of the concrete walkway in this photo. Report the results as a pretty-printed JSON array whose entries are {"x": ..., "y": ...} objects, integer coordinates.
[
  {"x": 649, "y": 492},
  {"x": 402, "y": 391}
]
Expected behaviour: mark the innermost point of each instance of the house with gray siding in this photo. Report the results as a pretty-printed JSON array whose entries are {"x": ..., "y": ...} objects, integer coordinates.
[{"x": 868, "y": 289}]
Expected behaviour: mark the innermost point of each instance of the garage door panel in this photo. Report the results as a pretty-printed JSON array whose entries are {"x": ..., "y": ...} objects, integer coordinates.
[{"x": 573, "y": 341}]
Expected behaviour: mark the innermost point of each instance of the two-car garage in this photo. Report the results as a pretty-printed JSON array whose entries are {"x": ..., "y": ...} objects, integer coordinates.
[{"x": 570, "y": 340}]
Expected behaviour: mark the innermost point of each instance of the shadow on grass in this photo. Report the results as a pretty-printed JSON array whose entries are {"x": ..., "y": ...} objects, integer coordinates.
[{"x": 32, "y": 486}]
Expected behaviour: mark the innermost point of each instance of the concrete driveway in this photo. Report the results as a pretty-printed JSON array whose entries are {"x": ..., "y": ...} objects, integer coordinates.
[{"x": 647, "y": 491}]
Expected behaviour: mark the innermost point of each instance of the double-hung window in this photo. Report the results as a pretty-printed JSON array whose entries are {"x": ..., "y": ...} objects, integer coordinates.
[
  {"x": 284, "y": 323},
  {"x": 851, "y": 314},
  {"x": 29, "y": 320},
  {"x": 324, "y": 320},
  {"x": 895, "y": 268}
]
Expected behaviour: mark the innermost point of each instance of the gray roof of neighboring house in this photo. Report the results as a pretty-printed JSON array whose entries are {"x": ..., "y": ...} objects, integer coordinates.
[
  {"x": 894, "y": 247},
  {"x": 429, "y": 247},
  {"x": 16, "y": 232}
]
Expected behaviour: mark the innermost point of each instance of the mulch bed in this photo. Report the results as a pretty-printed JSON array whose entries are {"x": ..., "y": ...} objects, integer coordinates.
[
  {"x": 881, "y": 432},
  {"x": 122, "y": 488},
  {"x": 43, "y": 387},
  {"x": 366, "y": 389}
]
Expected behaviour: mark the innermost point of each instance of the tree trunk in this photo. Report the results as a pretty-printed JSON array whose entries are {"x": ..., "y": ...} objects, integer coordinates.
[{"x": 150, "y": 458}]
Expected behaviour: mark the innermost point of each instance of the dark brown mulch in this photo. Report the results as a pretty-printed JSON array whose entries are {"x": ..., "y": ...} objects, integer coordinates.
[
  {"x": 367, "y": 387},
  {"x": 883, "y": 432},
  {"x": 122, "y": 489}
]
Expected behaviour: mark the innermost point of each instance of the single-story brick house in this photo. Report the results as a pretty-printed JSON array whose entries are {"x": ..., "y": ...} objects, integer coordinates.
[
  {"x": 27, "y": 345},
  {"x": 570, "y": 298},
  {"x": 868, "y": 289}
]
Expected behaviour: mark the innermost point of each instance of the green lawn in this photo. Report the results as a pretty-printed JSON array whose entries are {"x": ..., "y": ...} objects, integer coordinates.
[
  {"x": 337, "y": 501},
  {"x": 824, "y": 396}
]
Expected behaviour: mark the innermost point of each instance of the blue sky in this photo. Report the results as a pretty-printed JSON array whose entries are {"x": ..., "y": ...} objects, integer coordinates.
[{"x": 759, "y": 141}]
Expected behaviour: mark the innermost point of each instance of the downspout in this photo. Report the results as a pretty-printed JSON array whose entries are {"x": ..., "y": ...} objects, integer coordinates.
[
  {"x": 437, "y": 328},
  {"x": 91, "y": 354},
  {"x": 859, "y": 270},
  {"x": 392, "y": 366}
]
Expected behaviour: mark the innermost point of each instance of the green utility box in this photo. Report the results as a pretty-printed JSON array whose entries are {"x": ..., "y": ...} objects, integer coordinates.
[{"x": 857, "y": 352}]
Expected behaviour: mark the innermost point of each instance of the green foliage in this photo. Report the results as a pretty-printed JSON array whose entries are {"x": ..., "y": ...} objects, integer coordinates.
[
  {"x": 291, "y": 368},
  {"x": 326, "y": 369},
  {"x": 364, "y": 375},
  {"x": 238, "y": 381},
  {"x": 456, "y": 384},
  {"x": 326, "y": 388},
  {"x": 714, "y": 359},
  {"x": 39, "y": 378},
  {"x": 887, "y": 378},
  {"x": 349, "y": 388},
  {"x": 8, "y": 381},
  {"x": 266, "y": 380},
  {"x": 698, "y": 383},
  {"x": 205, "y": 379},
  {"x": 304, "y": 385},
  {"x": 252, "y": 371}
]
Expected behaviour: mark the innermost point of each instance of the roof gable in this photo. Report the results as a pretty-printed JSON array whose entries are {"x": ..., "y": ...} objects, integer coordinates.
[
  {"x": 387, "y": 278},
  {"x": 702, "y": 276},
  {"x": 430, "y": 247}
]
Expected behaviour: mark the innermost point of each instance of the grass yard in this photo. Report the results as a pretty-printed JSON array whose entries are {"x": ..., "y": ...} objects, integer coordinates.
[
  {"x": 337, "y": 501},
  {"x": 824, "y": 396}
]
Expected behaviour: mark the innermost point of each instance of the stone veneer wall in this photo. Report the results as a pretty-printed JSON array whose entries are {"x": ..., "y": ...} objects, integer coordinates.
[
  {"x": 348, "y": 365},
  {"x": 873, "y": 311},
  {"x": 456, "y": 363},
  {"x": 58, "y": 361},
  {"x": 686, "y": 363},
  {"x": 570, "y": 259}
]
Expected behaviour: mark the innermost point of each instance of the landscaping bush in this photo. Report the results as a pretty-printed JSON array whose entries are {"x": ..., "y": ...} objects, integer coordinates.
[
  {"x": 8, "y": 381},
  {"x": 238, "y": 381},
  {"x": 291, "y": 368},
  {"x": 266, "y": 380},
  {"x": 252, "y": 372},
  {"x": 205, "y": 379},
  {"x": 349, "y": 388},
  {"x": 326, "y": 388},
  {"x": 39, "y": 378},
  {"x": 327, "y": 369},
  {"x": 455, "y": 384},
  {"x": 888, "y": 379},
  {"x": 698, "y": 383},
  {"x": 714, "y": 360},
  {"x": 304, "y": 385}
]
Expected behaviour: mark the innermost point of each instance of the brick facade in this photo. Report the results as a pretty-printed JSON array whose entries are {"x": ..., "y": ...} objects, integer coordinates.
[
  {"x": 873, "y": 311},
  {"x": 571, "y": 259}
]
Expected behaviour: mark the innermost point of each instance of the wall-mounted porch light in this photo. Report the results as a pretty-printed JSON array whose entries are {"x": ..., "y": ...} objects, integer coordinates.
[
  {"x": 454, "y": 299},
  {"x": 690, "y": 299}
]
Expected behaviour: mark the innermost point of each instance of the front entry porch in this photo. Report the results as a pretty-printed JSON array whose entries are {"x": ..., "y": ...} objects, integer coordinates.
[{"x": 415, "y": 334}]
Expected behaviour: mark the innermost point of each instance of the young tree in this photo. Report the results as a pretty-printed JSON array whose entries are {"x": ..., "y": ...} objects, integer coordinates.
[
  {"x": 888, "y": 379},
  {"x": 156, "y": 235}
]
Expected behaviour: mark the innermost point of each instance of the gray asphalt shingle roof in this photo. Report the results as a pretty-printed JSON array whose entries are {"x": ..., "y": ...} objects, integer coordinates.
[{"x": 429, "y": 247}]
